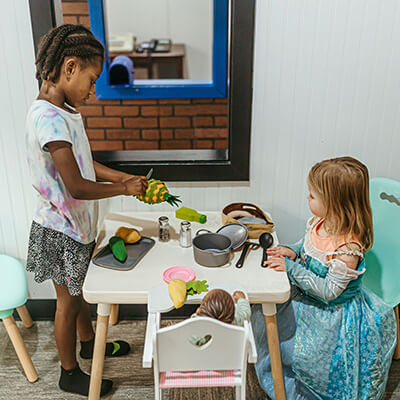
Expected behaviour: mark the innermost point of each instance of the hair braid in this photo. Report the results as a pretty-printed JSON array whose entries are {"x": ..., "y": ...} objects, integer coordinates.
[{"x": 63, "y": 41}]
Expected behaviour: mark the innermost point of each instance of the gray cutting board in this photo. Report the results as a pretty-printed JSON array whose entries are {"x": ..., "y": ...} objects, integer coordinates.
[{"x": 134, "y": 251}]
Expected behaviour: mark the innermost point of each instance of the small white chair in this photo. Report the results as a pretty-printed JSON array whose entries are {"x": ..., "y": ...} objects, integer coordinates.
[{"x": 222, "y": 361}]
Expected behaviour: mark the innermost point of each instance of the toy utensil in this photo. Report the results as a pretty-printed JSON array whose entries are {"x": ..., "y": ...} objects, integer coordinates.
[
  {"x": 247, "y": 246},
  {"x": 266, "y": 240},
  {"x": 148, "y": 176}
]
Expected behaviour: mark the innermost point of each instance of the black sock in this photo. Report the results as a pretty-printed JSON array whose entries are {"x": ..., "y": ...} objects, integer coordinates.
[
  {"x": 114, "y": 349},
  {"x": 76, "y": 381}
]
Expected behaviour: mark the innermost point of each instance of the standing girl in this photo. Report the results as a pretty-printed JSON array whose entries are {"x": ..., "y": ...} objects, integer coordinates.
[
  {"x": 63, "y": 231},
  {"x": 337, "y": 338}
]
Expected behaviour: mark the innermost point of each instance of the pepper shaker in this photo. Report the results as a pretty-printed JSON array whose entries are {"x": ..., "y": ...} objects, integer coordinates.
[
  {"x": 185, "y": 237},
  {"x": 163, "y": 229}
]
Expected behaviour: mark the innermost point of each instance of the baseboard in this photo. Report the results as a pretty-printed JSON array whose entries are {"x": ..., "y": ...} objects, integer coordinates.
[{"x": 44, "y": 310}]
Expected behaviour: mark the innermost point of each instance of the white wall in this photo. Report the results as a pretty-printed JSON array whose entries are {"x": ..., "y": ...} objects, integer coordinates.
[
  {"x": 326, "y": 83},
  {"x": 182, "y": 21}
]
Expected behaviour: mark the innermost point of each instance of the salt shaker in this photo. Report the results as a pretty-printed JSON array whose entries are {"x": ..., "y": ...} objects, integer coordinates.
[
  {"x": 185, "y": 237},
  {"x": 163, "y": 229}
]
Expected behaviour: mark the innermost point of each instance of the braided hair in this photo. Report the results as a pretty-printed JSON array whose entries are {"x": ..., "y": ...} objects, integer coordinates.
[
  {"x": 217, "y": 304},
  {"x": 63, "y": 41}
]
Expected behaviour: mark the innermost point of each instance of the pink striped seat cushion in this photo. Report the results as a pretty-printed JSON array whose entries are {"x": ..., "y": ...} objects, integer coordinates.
[{"x": 206, "y": 378}]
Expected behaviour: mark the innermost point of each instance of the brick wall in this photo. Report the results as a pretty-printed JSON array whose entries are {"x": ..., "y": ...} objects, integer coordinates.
[{"x": 150, "y": 124}]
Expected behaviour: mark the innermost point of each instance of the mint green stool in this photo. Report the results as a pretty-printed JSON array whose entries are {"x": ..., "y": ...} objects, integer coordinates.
[
  {"x": 13, "y": 295},
  {"x": 383, "y": 261}
]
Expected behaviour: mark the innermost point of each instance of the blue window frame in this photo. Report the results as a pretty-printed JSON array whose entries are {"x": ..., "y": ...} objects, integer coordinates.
[{"x": 167, "y": 88}]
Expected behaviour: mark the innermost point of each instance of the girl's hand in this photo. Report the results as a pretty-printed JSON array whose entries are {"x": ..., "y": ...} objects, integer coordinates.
[
  {"x": 281, "y": 251},
  {"x": 238, "y": 295},
  {"x": 135, "y": 185},
  {"x": 276, "y": 263}
]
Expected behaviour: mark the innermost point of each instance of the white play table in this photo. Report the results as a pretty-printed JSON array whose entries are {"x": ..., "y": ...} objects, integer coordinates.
[{"x": 106, "y": 287}]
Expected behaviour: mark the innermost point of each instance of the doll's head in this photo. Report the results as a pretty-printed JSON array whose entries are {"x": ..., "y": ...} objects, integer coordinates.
[
  {"x": 217, "y": 304},
  {"x": 342, "y": 186}
]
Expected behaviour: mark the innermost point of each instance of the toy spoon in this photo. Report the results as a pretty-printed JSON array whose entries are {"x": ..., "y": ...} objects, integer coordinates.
[{"x": 266, "y": 240}]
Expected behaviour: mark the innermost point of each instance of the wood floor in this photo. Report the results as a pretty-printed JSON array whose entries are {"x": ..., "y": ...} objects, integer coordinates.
[{"x": 131, "y": 381}]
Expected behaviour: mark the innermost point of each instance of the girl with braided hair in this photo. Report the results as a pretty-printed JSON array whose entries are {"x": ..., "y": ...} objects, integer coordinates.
[{"x": 63, "y": 232}]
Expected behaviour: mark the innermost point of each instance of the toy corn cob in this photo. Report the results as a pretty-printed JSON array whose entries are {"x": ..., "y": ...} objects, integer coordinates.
[{"x": 157, "y": 192}]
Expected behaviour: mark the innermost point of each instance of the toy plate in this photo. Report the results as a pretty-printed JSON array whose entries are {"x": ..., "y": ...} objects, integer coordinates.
[{"x": 186, "y": 274}]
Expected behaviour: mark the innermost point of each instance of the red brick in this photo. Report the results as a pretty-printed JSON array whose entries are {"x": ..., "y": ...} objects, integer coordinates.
[
  {"x": 94, "y": 100},
  {"x": 213, "y": 109},
  {"x": 91, "y": 110},
  {"x": 95, "y": 133},
  {"x": 150, "y": 134},
  {"x": 140, "y": 122},
  {"x": 184, "y": 133},
  {"x": 221, "y": 101},
  {"x": 221, "y": 122},
  {"x": 123, "y": 133},
  {"x": 203, "y": 144},
  {"x": 156, "y": 110},
  {"x": 176, "y": 144},
  {"x": 125, "y": 111},
  {"x": 202, "y": 122},
  {"x": 104, "y": 122},
  {"x": 97, "y": 145},
  {"x": 166, "y": 133},
  {"x": 202, "y": 109},
  {"x": 70, "y": 19},
  {"x": 80, "y": 8},
  {"x": 186, "y": 110},
  {"x": 141, "y": 145},
  {"x": 211, "y": 133},
  {"x": 174, "y": 122},
  {"x": 84, "y": 20},
  {"x": 220, "y": 144},
  {"x": 174, "y": 101},
  {"x": 139, "y": 101},
  {"x": 202, "y": 101}
]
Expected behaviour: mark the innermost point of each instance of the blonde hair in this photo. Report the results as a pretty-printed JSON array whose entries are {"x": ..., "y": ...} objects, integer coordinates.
[
  {"x": 218, "y": 304},
  {"x": 342, "y": 184}
]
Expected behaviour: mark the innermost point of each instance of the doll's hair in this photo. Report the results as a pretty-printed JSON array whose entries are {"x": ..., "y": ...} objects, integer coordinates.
[
  {"x": 342, "y": 184},
  {"x": 63, "y": 41},
  {"x": 217, "y": 304}
]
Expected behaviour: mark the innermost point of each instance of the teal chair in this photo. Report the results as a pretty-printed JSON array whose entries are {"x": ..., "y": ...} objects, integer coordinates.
[
  {"x": 13, "y": 295},
  {"x": 383, "y": 260}
]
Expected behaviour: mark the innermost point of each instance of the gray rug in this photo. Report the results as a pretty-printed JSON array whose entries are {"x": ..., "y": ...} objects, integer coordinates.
[{"x": 131, "y": 381}]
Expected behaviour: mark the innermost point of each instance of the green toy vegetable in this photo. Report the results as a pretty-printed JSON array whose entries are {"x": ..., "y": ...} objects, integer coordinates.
[
  {"x": 196, "y": 287},
  {"x": 118, "y": 248}
]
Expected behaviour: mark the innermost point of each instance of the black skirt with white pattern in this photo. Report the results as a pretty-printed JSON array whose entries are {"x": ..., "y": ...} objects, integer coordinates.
[{"x": 53, "y": 255}]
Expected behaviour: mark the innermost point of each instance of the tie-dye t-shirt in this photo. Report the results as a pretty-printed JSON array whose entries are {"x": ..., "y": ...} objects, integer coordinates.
[{"x": 56, "y": 208}]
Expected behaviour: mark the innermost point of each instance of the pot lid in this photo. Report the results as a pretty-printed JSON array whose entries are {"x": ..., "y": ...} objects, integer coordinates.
[{"x": 236, "y": 232}]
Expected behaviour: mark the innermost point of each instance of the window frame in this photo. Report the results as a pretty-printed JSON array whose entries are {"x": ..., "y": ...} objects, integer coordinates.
[
  {"x": 166, "y": 88},
  {"x": 199, "y": 165}
]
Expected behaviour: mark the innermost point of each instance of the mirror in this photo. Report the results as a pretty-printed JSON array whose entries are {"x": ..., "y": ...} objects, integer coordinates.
[{"x": 162, "y": 48}]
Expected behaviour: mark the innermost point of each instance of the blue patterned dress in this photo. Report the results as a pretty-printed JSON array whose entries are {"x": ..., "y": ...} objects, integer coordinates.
[{"x": 340, "y": 349}]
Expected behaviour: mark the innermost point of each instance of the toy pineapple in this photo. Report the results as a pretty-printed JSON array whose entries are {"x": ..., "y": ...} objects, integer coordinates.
[{"x": 157, "y": 192}]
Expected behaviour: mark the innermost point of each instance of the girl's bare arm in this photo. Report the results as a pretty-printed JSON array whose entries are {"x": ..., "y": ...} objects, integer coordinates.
[
  {"x": 84, "y": 189},
  {"x": 106, "y": 174}
]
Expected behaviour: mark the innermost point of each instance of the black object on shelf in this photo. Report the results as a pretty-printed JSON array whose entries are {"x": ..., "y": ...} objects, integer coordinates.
[{"x": 121, "y": 71}]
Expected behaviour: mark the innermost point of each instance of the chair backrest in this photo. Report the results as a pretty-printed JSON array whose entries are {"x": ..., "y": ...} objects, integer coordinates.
[
  {"x": 383, "y": 260},
  {"x": 174, "y": 349}
]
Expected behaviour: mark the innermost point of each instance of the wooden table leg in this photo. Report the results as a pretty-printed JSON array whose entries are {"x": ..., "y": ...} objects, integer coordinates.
[
  {"x": 20, "y": 349},
  {"x": 269, "y": 311},
  {"x": 396, "y": 354},
  {"x": 103, "y": 315},
  {"x": 114, "y": 314}
]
